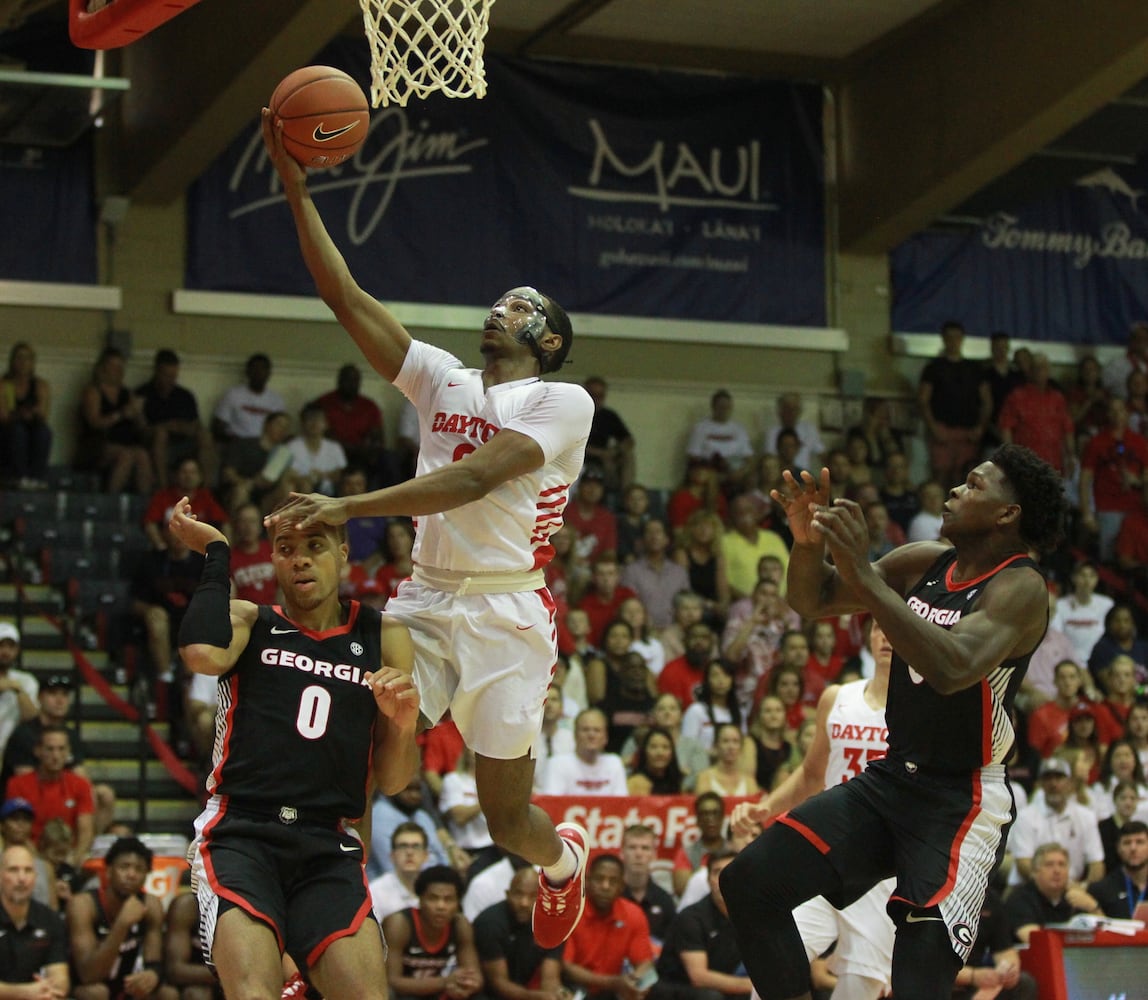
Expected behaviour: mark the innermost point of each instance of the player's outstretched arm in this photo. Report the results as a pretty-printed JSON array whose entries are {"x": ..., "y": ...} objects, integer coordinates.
[
  {"x": 382, "y": 338},
  {"x": 804, "y": 781},
  {"x": 395, "y": 758}
]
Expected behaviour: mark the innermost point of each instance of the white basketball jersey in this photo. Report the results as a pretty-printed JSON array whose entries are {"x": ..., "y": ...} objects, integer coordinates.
[
  {"x": 857, "y": 734},
  {"x": 509, "y": 529}
]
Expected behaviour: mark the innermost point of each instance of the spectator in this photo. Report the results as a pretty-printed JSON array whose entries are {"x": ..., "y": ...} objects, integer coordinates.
[
  {"x": 787, "y": 682},
  {"x": 639, "y": 851},
  {"x": 1059, "y": 816},
  {"x": 55, "y": 846},
  {"x": 116, "y": 931},
  {"x": 574, "y": 663},
  {"x": 317, "y": 462},
  {"x": 1048, "y": 723},
  {"x": 18, "y": 688},
  {"x": 16, "y": 818},
  {"x": 610, "y": 444},
  {"x": 111, "y": 439},
  {"x": 252, "y": 572},
  {"x": 1136, "y": 731},
  {"x": 389, "y": 811},
  {"x": 171, "y": 416},
  {"x": 716, "y": 703},
  {"x": 55, "y": 705},
  {"x": 188, "y": 483},
  {"x": 723, "y": 441},
  {"x": 1119, "y": 681},
  {"x": 824, "y": 662},
  {"x": 897, "y": 493},
  {"x": 766, "y": 749},
  {"x": 656, "y": 770},
  {"x": 430, "y": 950},
  {"x": 1087, "y": 397},
  {"x": 1121, "y": 764},
  {"x": 1111, "y": 476},
  {"x": 514, "y": 966},
  {"x": 407, "y": 440},
  {"x": 884, "y": 534},
  {"x": 744, "y": 545},
  {"x": 691, "y": 756},
  {"x": 556, "y": 735},
  {"x": 183, "y": 963},
  {"x": 490, "y": 886},
  {"x": 1050, "y": 897},
  {"x": 604, "y": 671},
  {"x": 255, "y": 469},
  {"x": 356, "y": 424},
  {"x": 994, "y": 962},
  {"x": 655, "y": 577},
  {"x": 441, "y": 748},
  {"x": 683, "y": 676},
  {"x": 1131, "y": 546},
  {"x": 589, "y": 770},
  {"x": 588, "y": 515},
  {"x": 876, "y": 427},
  {"x": 629, "y": 705},
  {"x": 633, "y": 612},
  {"x": 1080, "y": 614},
  {"x": 33, "y": 941},
  {"x": 632, "y": 520},
  {"x": 726, "y": 776},
  {"x": 25, "y": 407},
  {"x": 753, "y": 634},
  {"x": 567, "y": 574},
  {"x": 700, "y": 958},
  {"x": 689, "y": 610},
  {"x": 394, "y": 890},
  {"x": 1035, "y": 414},
  {"x": 1125, "y": 808},
  {"x": 57, "y": 793},
  {"x": 699, "y": 492},
  {"x": 700, "y": 553},
  {"x": 1116, "y": 372},
  {"x": 602, "y": 601},
  {"x": 366, "y": 536},
  {"x": 610, "y": 951},
  {"x": 926, "y": 523},
  {"x": 709, "y": 812},
  {"x": 1124, "y": 888},
  {"x": 1120, "y": 638},
  {"x": 1136, "y": 397},
  {"x": 1002, "y": 377},
  {"x": 810, "y": 447},
  {"x": 242, "y": 411},
  {"x": 459, "y": 804},
  {"x": 860, "y": 463}
]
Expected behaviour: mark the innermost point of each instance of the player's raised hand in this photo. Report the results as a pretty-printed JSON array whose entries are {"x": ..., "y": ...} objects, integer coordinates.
[
  {"x": 843, "y": 527},
  {"x": 396, "y": 695},
  {"x": 302, "y": 510},
  {"x": 798, "y": 497},
  {"x": 288, "y": 168},
  {"x": 195, "y": 534}
]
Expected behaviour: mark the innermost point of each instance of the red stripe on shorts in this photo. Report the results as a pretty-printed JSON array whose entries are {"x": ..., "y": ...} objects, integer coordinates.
[{"x": 807, "y": 833}]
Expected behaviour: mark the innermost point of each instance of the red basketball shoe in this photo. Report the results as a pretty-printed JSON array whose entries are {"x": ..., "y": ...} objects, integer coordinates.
[{"x": 556, "y": 911}]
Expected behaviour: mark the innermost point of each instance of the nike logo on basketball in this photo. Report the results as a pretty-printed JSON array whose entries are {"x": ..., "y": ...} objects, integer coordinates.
[
  {"x": 320, "y": 135},
  {"x": 282, "y": 631},
  {"x": 912, "y": 918}
]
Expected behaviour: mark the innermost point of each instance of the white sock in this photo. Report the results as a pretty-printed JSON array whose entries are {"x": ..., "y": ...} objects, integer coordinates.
[{"x": 564, "y": 868}]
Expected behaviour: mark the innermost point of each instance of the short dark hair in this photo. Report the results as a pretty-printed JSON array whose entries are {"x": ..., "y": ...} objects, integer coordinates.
[
  {"x": 1131, "y": 828},
  {"x": 166, "y": 356},
  {"x": 438, "y": 875},
  {"x": 559, "y": 323},
  {"x": 602, "y": 859},
  {"x": 1038, "y": 490},
  {"x": 128, "y": 845},
  {"x": 409, "y": 826}
]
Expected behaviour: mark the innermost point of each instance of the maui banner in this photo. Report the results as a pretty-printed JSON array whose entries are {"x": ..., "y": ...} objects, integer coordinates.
[
  {"x": 49, "y": 219},
  {"x": 617, "y": 191},
  {"x": 1071, "y": 266}
]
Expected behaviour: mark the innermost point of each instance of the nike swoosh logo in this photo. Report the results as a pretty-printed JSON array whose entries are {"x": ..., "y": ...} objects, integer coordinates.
[
  {"x": 321, "y": 135},
  {"x": 351, "y": 849},
  {"x": 453, "y": 385},
  {"x": 912, "y": 918},
  {"x": 282, "y": 631},
  {"x": 524, "y": 628}
]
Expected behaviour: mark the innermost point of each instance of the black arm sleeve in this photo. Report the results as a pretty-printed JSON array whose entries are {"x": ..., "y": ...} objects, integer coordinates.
[{"x": 208, "y": 616}]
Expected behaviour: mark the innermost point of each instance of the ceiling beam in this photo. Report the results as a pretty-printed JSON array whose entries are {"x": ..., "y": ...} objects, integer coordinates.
[
  {"x": 968, "y": 96},
  {"x": 195, "y": 88}
]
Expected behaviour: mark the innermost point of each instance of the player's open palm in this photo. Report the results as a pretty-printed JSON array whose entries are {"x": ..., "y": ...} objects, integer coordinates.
[
  {"x": 306, "y": 509},
  {"x": 799, "y": 496},
  {"x": 195, "y": 534},
  {"x": 396, "y": 696}
]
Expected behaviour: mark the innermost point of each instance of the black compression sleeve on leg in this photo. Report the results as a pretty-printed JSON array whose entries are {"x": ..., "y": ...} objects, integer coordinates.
[{"x": 208, "y": 617}]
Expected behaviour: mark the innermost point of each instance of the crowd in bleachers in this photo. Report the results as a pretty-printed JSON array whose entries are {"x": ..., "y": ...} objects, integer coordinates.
[{"x": 682, "y": 670}]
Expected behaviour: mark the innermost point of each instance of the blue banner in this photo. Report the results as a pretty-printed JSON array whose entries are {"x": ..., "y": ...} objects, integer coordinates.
[
  {"x": 48, "y": 215},
  {"x": 617, "y": 191},
  {"x": 1070, "y": 267}
]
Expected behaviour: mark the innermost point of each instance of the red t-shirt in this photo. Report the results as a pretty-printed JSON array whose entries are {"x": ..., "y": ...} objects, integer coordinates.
[
  {"x": 442, "y": 746},
  {"x": 1104, "y": 457},
  {"x": 1038, "y": 419},
  {"x": 1132, "y": 542},
  {"x": 203, "y": 503},
  {"x": 1047, "y": 728},
  {"x": 351, "y": 423},
  {"x": 683, "y": 503},
  {"x": 601, "y": 612},
  {"x": 67, "y": 798},
  {"x": 254, "y": 574},
  {"x": 601, "y": 942},
  {"x": 601, "y": 524},
  {"x": 818, "y": 676},
  {"x": 679, "y": 678}
]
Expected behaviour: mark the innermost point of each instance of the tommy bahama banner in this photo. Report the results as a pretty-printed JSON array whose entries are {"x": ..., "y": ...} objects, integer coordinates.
[
  {"x": 1071, "y": 266},
  {"x": 617, "y": 191}
]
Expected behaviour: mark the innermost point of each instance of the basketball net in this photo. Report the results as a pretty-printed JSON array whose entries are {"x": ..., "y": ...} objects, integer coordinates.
[{"x": 422, "y": 46}]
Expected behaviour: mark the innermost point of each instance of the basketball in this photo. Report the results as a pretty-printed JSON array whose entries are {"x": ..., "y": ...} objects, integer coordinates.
[{"x": 324, "y": 114}]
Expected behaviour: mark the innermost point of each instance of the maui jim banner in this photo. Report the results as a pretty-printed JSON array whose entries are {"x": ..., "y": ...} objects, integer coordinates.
[
  {"x": 616, "y": 191},
  {"x": 1072, "y": 266}
]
